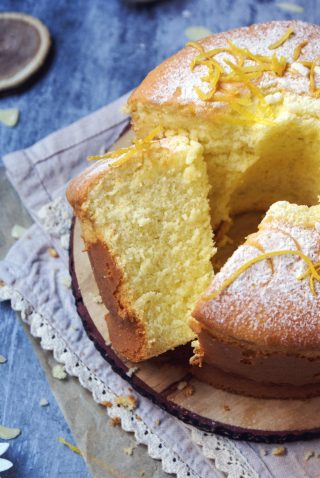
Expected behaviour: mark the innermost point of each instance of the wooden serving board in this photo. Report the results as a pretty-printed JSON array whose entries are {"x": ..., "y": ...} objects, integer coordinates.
[{"x": 159, "y": 379}]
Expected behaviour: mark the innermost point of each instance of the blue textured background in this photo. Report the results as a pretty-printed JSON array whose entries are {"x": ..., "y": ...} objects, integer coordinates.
[{"x": 102, "y": 49}]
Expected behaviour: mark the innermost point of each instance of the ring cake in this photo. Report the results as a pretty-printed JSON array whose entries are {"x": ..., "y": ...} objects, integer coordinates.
[{"x": 228, "y": 125}]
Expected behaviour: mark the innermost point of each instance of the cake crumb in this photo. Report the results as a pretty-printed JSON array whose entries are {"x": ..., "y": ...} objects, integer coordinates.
[
  {"x": 97, "y": 299},
  {"x": 138, "y": 418},
  {"x": 17, "y": 231},
  {"x": 197, "y": 32},
  {"x": 43, "y": 402},
  {"x": 58, "y": 371},
  {"x": 290, "y": 7},
  {"x": 189, "y": 390},
  {"x": 142, "y": 473},
  {"x": 2, "y": 359},
  {"x": 129, "y": 402},
  {"x": 263, "y": 452},
  {"x": 226, "y": 408},
  {"x": 66, "y": 281},
  {"x": 52, "y": 252},
  {"x": 181, "y": 385},
  {"x": 157, "y": 422},
  {"x": 115, "y": 421},
  {"x": 129, "y": 450},
  {"x": 279, "y": 451},
  {"x": 308, "y": 454},
  {"x": 106, "y": 403},
  {"x": 2, "y": 283},
  {"x": 131, "y": 371}
]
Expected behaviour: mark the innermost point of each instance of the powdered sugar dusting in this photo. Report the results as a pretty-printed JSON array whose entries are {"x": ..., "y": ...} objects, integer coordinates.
[
  {"x": 267, "y": 304},
  {"x": 174, "y": 79}
]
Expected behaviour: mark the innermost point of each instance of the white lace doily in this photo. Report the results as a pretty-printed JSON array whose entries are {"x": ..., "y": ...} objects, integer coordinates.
[{"x": 227, "y": 458}]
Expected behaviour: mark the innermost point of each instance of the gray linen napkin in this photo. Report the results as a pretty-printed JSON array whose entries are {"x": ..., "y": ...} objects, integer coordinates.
[{"x": 39, "y": 174}]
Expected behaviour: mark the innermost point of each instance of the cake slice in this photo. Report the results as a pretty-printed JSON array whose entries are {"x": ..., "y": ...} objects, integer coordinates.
[
  {"x": 259, "y": 322},
  {"x": 146, "y": 225}
]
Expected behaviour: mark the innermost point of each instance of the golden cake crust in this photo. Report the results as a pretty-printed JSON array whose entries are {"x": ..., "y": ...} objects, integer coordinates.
[{"x": 172, "y": 82}]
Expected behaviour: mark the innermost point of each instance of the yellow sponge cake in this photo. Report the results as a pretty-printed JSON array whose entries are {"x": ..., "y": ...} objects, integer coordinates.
[{"x": 146, "y": 225}]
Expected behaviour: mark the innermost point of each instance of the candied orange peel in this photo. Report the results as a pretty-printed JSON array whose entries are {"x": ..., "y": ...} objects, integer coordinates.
[{"x": 312, "y": 271}]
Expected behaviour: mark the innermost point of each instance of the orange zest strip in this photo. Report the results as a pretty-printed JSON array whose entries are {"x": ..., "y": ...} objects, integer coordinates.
[
  {"x": 298, "y": 49},
  {"x": 125, "y": 153},
  {"x": 313, "y": 87},
  {"x": 242, "y": 73},
  {"x": 282, "y": 40},
  {"x": 195, "y": 45},
  {"x": 253, "y": 88},
  {"x": 312, "y": 270},
  {"x": 306, "y": 63}
]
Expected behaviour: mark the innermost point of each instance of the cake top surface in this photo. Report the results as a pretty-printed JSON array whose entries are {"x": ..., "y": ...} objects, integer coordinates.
[
  {"x": 267, "y": 305},
  {"x": 175, "y": 82},
  {"x": 79, "y": 187}
]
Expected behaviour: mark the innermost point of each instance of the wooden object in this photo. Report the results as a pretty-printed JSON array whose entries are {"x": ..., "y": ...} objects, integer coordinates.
[
  {"x": 162, "y": 379},
  {"x": 24, "y": 45}
]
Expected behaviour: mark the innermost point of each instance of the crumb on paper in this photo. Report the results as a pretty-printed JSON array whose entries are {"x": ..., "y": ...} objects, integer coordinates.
[
  {"x": 2, "y": 359},
  {"x": 58, "y": 371},
  {"x": 142, "y": 473},
  {"x": 226, "y": 408},
  {"x": 308, "y": 454},
  {"x": 9, "y": 117},
  {"x": 129, "y": 402},
  {"x": 182, "y": 385},
  {"x": 64, "y": 241},
  {"x": 131, "y": 371},
  {"x": 17, "y": 231},
  {"x": 195, "y": 33},
  {"x": 189, "y": 390},
  {"x": 263, "y": 451},
  {"x": 128, "y": 450},
  {"x": 97, "y": 299},
  {"x": 279, "y": 451},
  {"x": 115, "y": 421},
  {"x": 157, "y": 422},
  {"x": 138, "y": 418},
  {"x": 106, "y": 403},
  {"x": 66, "y": 281},
  {"x": 290, "y": 7},
  {"x": 2, "y": 283},
  {"x": 43, "y": 402},
  {"x": 52, "y": 252},
  {"x": 7, "y": 433}
]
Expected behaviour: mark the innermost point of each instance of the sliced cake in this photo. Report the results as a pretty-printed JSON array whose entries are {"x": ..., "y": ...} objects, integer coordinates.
[{"x": 145, "y": 221}]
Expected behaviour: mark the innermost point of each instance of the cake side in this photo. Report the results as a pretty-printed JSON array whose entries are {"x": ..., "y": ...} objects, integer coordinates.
[{"x": 126, "y": 331}]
